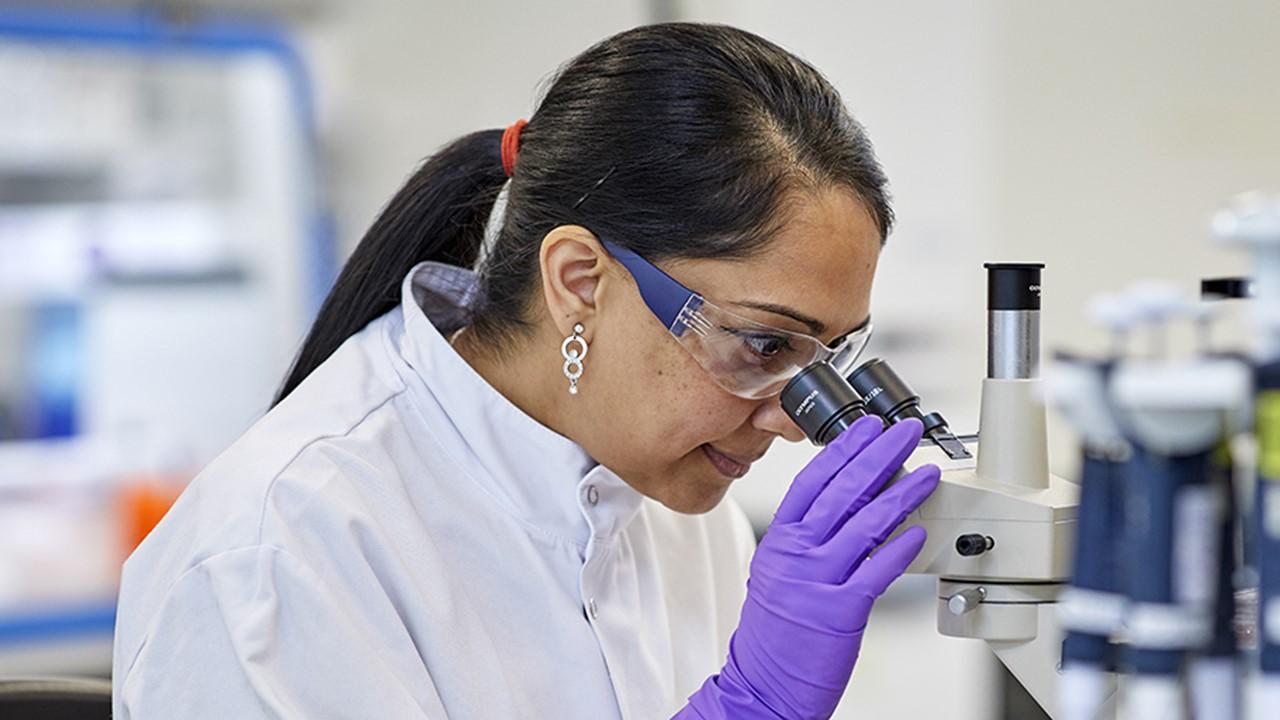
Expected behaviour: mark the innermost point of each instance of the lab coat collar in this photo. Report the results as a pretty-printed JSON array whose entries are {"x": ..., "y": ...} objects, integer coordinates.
[{"x": 544, "y": 478}]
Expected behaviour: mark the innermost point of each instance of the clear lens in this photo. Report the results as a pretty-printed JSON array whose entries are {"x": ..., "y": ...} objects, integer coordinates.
[
  {"x": 750, "y": 359},
  {"x": 846, "y": 356}
]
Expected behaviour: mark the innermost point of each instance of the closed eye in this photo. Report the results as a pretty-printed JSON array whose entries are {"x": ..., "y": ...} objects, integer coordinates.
[{"x": 765, "y": 345}]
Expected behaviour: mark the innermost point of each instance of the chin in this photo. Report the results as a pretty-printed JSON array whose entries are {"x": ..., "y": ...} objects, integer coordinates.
[
  {"x": 695, "y": 495},
  {"x": 691, "y": 485},
  {"x": 694, "y": 506}
]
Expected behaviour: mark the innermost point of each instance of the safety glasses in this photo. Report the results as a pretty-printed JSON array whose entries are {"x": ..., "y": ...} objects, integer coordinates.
[{"x": 749, "y": 359}]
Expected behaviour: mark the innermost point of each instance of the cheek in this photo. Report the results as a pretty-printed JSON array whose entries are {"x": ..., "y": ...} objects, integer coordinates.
[{"x": 671, "y": 404}]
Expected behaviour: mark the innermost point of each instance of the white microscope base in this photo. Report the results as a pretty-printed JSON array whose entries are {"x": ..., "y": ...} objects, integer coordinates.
[{"x": 1035, "y": 662}]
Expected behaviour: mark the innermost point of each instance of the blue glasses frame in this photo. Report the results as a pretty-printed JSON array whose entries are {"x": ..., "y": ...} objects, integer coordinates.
[{"x": 678, "y": 309}]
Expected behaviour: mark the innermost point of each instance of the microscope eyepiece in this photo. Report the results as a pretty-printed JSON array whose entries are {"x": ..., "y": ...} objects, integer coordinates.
[
  {"x": 821, "y": 403},
  {"x": 1013, "y": 320},
  {"x": 1013, "y": 286},
  {"x": 889, "y": 396},
  {"x": 886, "y": 394}
]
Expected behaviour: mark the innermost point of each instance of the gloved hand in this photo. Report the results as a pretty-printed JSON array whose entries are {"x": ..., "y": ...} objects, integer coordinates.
[{"x": 812, "y": 583}]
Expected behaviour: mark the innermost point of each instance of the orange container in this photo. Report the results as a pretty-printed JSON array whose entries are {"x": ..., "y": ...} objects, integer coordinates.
[{"x": 142, "y": 502}]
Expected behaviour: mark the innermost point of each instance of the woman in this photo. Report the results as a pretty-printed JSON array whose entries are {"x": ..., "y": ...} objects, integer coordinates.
[{"x": 502, "y": 495}]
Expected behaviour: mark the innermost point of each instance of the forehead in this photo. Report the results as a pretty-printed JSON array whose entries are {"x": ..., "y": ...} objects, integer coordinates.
[{"x": 821, "y": 263}]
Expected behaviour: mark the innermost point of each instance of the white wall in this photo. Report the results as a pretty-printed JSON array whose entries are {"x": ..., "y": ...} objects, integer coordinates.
[
  {"x": 1122, "y": 127},
  {"x": 397, "y": 80}
]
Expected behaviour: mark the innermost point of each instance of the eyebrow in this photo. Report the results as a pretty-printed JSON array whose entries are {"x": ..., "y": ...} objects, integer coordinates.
[{"x": 816, "y": 327}]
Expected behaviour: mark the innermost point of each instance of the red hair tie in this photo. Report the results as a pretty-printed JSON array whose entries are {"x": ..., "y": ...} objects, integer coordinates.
[{"x": 511, "y": 145}]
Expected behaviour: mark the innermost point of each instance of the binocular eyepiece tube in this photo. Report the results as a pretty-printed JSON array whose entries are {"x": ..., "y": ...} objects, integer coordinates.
[{"x": 823, "y": 403}]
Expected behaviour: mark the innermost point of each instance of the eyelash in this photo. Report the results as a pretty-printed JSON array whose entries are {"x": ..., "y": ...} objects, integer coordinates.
[{"x": 749, "y": 336}]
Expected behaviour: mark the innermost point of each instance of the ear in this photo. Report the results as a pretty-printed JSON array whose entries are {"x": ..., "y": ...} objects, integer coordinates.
[{"x": 573, "y": 263}]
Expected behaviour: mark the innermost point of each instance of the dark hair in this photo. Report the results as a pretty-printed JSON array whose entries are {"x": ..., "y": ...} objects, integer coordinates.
[{"x": 702, "y": 132}]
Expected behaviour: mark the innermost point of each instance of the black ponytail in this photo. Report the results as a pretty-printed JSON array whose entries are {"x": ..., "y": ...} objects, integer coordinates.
[
  {"x": 439, "y": 215},
  {"x": 678, "y": 140}
]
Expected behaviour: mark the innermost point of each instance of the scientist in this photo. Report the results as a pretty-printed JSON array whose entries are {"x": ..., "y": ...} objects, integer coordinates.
[{"x": 501, "y": 494}]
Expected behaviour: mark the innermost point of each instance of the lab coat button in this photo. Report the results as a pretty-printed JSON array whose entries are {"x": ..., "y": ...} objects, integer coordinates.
[
  {"x": 593, "y": 495},
  {"x": 591, "y": 607}
]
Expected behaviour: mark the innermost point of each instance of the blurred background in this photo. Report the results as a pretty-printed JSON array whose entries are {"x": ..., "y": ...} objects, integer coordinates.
[{"x": 180, "y": 181}]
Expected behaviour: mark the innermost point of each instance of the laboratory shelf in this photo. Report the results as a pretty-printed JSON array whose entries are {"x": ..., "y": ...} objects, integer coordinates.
[
  {"x": 18, "y": 626},
  {"x": 63, "y": 640}
]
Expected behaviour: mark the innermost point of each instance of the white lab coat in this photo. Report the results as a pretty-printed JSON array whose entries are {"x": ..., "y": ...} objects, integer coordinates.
[{"x": 397, "y": 540}]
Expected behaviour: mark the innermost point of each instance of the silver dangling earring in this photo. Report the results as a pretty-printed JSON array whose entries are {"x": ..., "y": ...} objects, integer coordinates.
[{"x": 572, "y": 358}]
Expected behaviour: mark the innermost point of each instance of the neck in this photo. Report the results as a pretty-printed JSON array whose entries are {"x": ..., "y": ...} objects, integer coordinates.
[{"x": 519, "y": 375}]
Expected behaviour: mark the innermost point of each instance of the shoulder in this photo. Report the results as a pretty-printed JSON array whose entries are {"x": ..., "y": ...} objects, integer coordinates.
[
  {"x": 304, "y": 456},
  {"x": 310, "y": 442},
  {"x": 217, "y": 645}
]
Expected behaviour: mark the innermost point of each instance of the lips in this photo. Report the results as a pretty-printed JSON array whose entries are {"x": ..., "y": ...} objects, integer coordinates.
[{"x": 726, "y": 465}]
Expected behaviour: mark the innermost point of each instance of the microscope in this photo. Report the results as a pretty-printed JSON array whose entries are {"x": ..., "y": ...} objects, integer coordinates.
[
  {"x": 1141, "y": 576},
  {"x": 1000, "y": 527}
]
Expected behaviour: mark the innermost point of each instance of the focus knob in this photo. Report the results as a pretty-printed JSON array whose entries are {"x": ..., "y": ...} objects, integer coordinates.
[
  {"x": 966, "y": 600},
  {"x": 974, "y": 544}
]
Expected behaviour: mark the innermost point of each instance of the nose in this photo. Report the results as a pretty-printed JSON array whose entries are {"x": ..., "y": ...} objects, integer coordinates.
[{"x": 771, "y": 418}]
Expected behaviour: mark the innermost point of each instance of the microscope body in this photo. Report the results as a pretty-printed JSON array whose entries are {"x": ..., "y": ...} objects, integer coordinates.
[
  {"x": 1030, "y": 530},
  {"x": 1000, "y": 532},
  {"x": 1001, "y": 528}
]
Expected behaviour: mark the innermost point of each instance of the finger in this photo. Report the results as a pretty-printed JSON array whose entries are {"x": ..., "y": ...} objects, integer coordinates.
[
  {"x": 824, "y": 466},
  {"x": 862, "y": 478},
  {"x": 889, "y": 562},
  {"x": 868, "y": 528}
]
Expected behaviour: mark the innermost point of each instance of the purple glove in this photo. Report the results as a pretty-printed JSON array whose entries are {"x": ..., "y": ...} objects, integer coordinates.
[{"x": 812, "y": 583}]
